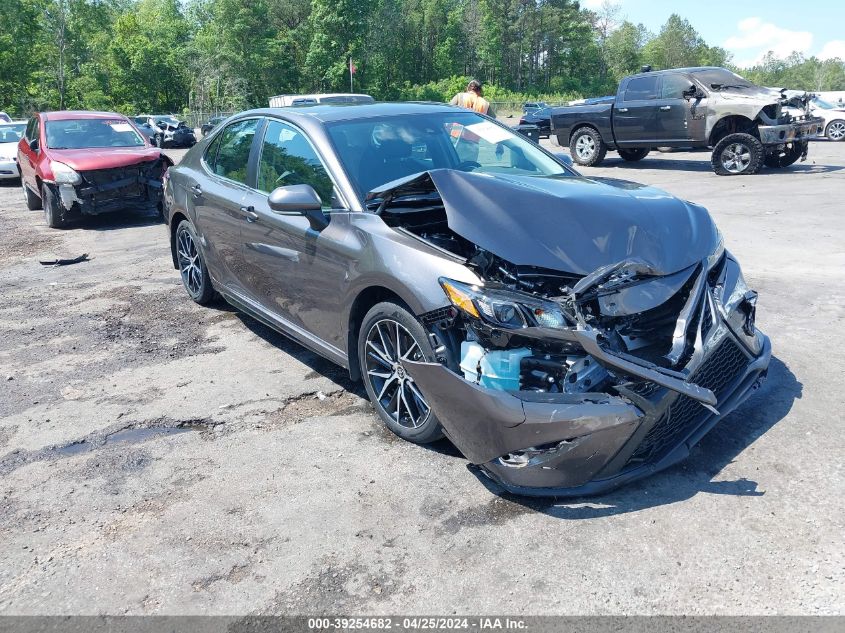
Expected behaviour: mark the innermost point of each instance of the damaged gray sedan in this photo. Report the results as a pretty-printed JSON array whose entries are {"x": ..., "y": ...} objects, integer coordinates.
[{"x": 567, "y": 334}]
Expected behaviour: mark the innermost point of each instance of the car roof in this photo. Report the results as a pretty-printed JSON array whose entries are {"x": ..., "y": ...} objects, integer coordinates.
[
  {"x": 65, "y": 115},
  {"x": 14, "y": 122},
  {"x": 690, "y": 69},
  {"x": 350, "y": 111}
]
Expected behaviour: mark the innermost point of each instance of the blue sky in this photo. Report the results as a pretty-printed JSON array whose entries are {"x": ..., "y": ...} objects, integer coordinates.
[{"x": 748, "y": 29}]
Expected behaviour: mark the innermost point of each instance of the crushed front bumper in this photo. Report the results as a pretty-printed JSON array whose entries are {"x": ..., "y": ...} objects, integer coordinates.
[
  {"x": 791, "y": 132},
  {"x": 565, "y": 445},
  {"x": 133, "y": 188}
]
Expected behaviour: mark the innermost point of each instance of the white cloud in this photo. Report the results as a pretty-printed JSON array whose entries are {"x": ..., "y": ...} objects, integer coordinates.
[
  {"x": 756, "y": 37},
  {"x": 833, "y": 49}
]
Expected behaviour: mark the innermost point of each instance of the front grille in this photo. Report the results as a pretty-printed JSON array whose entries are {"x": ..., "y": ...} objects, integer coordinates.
[
  {"x": 719, "y": 371},
  {"x": 706, "y": 318}
]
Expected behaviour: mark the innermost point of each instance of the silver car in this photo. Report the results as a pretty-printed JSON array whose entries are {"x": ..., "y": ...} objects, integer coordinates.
[{"x": 567, "y": 334}]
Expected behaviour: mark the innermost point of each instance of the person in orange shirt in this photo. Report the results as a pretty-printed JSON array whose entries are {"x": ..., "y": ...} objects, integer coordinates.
[{"x": 472, "y": 99}]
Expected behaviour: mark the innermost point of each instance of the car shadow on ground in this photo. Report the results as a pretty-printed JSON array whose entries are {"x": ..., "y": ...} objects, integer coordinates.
[
  {"x": 115, "y": 221},
  {"x": 682, "y": 164},
  {"x": 694, "y": 475},
  {"x": 312, "y": 360}
]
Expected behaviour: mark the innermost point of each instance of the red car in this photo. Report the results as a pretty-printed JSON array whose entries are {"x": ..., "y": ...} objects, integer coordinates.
[{"x": 87, "y": 163}]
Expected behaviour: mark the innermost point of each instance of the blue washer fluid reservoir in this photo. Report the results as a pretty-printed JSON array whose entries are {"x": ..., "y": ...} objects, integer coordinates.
[{"x": 499, "y": 368}]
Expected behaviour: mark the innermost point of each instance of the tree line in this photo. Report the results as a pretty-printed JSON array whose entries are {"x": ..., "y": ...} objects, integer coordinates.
[{"x": 224, "y": 55}]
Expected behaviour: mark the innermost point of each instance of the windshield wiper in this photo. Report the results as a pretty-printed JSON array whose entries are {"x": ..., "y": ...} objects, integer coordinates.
[{"x": 723, "y": 86}]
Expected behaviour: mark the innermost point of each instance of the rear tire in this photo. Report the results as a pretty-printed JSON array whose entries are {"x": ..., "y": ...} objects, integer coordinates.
[
  {"x": 738, "y": 154},
  {"x": 393, "y": 393},
  {"x": 587, "y": 147},
  {"x": 786, "y": 157},
  {"x": 835, "y": 130},
  {"x": 53, "y": 213},
  {"x": 192, "y": 269},
  {"x": 33, "y": 202},
  {"x": 633, "y": 155}
]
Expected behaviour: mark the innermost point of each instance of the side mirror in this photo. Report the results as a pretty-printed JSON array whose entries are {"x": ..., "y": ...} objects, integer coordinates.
[
  {"x": 566, "y": 159},
  {"x": 33, "y": 145},
  {"x": 299, "y": 199}
]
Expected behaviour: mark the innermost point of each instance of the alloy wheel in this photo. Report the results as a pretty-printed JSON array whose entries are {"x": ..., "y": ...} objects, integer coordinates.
[
  {"x": 189, "y": 262},
  {"x": 585, "y": 146},
  {"x": 836, "y": 131},
  {"x": 736, "y": 157},
  {"x": 389, "y": 343}
]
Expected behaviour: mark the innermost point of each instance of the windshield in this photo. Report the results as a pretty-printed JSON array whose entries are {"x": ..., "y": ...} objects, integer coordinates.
[
  {"x": 169, "y": 120},
  {"x": 83, "y": 133},
  {"x": 825, "y": 105},
  {"x": 382, "y": 149},
  {"x": 11, "y": 132},
  {"x": 721, "y": 77}
]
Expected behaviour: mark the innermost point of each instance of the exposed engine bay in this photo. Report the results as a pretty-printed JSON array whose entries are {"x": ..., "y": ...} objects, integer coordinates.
[
  {"x": 133, "y": 187},
  {"x": 628, "y": 332}
]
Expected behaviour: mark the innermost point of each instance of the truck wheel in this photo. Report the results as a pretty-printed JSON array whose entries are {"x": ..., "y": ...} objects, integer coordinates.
[
  {"x": 737, "y": 154},
  {"x": 53, "y": 215},
  {"x": 786, "y": 156},
  {"x": 586, "y": 147},
  {"x": 835, "y": 130},
  {"x": 633, "y": 155},
  {"x": 33, "y": 202}
]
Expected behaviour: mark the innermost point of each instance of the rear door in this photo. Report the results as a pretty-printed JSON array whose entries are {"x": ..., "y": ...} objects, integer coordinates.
[
  {"x": 217, "y": 196},
  {"x": 635, "y": 112}
]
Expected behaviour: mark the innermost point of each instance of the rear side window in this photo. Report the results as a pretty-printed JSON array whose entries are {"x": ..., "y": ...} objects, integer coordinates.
[
  {"x": 233, "y": 150},
  {"x": 641, "y": 88},
  {"x": 673, "y": 86}
]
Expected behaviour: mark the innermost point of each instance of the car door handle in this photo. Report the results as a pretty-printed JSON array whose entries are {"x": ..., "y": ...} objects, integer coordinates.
[
  {"x": 249, "y": 212},
  {"x": 665, "y": 108},
  {"x": 621, "y": 109},
  {"x": 197, "y": 190}
]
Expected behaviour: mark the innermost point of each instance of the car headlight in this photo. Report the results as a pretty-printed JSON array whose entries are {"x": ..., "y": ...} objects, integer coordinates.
[
  {"x": 503, "y": 308},
  {"x": 64, "y": 175},
  {"x": 717, "y": 253}
]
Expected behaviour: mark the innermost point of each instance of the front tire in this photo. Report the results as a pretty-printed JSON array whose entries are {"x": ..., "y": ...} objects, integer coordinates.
[
  {"x": 737, "y": 154},
  {"x": 33, "y": 202},
  {"x": 835, "y": 130},
  {"x": 390, "y": 334},
  {"x": 587, "y": 147},
  {"x": 53, "y": 213},
  {"x": 192, "y": 269},
  {"x": 633, "y": 155}
]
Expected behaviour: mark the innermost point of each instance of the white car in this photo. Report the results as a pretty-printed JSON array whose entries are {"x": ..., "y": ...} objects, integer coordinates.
[
  {"x": 10, "y": 134},
  {"x": 834, "y": 118}
]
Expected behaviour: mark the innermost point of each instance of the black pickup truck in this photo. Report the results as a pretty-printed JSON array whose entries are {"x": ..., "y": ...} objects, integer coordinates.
[{"x": 746, "y": 125}]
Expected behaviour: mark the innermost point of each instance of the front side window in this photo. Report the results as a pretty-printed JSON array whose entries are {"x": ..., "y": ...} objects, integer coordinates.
[
  {"x": 641, "y": 88},
  {"x": 377, "y": 150},
  {"x": 673, "y": 86},
  {"x": 287, "y": 158},
  {"x": 233, "y": 152},
  {"x": 85, "y": 133}
]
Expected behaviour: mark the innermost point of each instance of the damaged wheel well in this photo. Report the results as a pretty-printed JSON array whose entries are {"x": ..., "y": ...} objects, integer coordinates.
[
  {"x": 362, "y": 304},
  {"x": 731, "y": 125},
  {"x": 174, "y": 224}
]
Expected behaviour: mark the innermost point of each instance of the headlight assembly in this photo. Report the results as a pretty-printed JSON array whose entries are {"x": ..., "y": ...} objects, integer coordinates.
[
  {"x": 502, "y": 308},
  {"x": 717, "y": 253},
  {"x": 64, "y": 175}
]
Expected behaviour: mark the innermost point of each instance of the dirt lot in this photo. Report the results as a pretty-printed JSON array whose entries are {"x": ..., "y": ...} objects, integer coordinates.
[{"x": 158, "y": 457}]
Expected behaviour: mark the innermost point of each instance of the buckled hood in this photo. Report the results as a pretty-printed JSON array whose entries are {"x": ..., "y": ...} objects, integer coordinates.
[{"x": 571, "y": 224}]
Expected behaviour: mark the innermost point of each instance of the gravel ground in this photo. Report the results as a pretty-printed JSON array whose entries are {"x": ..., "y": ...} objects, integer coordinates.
[{"x": 161, "y": 458}]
